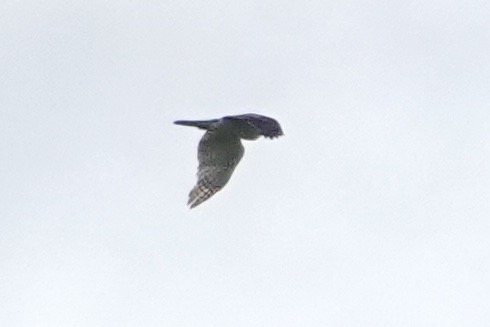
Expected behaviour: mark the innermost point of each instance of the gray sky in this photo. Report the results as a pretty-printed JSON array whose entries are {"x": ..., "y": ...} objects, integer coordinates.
[{"x": 372, "y": 210}]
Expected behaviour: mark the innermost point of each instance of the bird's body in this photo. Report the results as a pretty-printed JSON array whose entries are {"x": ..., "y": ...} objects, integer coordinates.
[{"x": 220, "y": 149}]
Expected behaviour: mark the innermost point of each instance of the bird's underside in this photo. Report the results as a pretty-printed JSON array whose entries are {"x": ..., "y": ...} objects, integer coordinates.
[{"x": 220, "y": 149}]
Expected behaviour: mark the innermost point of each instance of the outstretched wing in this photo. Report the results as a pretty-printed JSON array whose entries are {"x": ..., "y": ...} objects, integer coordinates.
[{"x": 219, "y": 152}]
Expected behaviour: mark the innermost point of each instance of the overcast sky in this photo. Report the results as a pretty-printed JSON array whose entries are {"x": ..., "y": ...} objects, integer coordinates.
[{"x": 372, "y": 210}]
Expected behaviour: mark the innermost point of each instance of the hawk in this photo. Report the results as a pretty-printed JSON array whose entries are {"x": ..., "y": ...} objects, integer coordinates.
[{"x": 220, "y": 149}]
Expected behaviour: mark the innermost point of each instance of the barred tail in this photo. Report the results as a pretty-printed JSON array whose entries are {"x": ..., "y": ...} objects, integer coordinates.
[
  {"x": 201, "y": 193},
  {"x": 202, "y": 124}
]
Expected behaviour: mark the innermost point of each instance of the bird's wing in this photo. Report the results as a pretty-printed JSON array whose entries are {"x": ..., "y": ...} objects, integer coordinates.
[{"x": 218, "y": 153}]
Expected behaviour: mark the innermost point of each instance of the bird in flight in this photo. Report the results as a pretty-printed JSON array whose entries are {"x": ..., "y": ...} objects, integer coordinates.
[{"x": 220, "y": 149}]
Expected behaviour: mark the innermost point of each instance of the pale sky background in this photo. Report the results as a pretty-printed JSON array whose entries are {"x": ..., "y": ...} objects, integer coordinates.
[{"x": 372, "y": 210}]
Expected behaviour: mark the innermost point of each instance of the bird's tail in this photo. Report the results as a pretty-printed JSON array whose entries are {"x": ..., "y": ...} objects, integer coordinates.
[
  {"x": 201, "y": 193},
  {"x": 202, "y": 124}
]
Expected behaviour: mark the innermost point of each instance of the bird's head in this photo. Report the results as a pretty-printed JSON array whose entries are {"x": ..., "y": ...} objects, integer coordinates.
[{"x": 252, "y": 126}]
